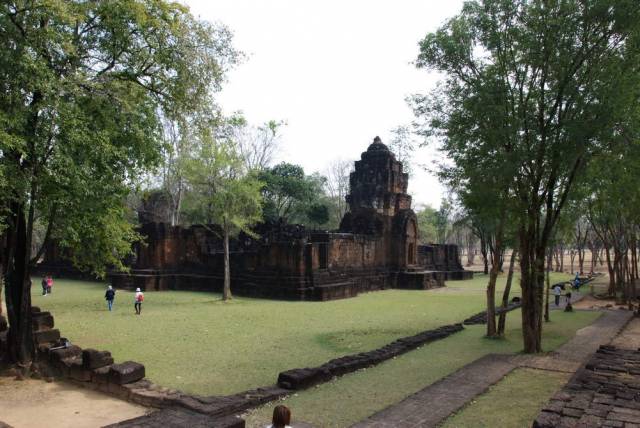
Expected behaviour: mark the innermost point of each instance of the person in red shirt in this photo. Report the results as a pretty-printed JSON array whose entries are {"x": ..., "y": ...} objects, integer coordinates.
[{"x": 49, "y": 284}]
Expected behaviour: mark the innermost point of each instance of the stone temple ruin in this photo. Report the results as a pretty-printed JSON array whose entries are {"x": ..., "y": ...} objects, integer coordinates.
[{"x": 376, "y": 248}]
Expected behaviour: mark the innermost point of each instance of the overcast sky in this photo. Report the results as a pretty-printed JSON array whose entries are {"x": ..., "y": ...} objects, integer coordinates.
[{"x": 336, "y": 71}]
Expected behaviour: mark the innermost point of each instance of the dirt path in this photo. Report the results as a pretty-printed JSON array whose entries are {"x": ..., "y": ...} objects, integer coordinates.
[{"x": 36, "y": 404}]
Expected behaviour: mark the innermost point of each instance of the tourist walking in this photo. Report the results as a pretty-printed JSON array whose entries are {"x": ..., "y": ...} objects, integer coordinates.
[
  {"x": 568, "y": 307},
  {"x": 557, "y": 292},
  {"x": 44, "y": 285},
  {"x": 138, "y": 301},
  {"x": 281, "y": 417},
  {"x": 110, "y": 295},
  {"x": 49, "y": 284}
]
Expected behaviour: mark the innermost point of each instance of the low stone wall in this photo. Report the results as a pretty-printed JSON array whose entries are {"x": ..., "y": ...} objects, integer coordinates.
[
  {"x": 97, "y": 369},
  {"x": 606, "y": 392},
  {"x": 305, "y": 377},
  {"x": 481, "y": 317}
]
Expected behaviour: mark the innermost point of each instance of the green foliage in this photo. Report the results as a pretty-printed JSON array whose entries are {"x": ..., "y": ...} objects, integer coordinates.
[
  {"x": 533, "y": 90},
  {"x": 443, "y": 221},
  {"x": 291, "y": 195},
  {"x": 84, "y": 85},
  {"x": 403, "y": 146},
  {"x": 318, "y": 214},
  {"x": 223, "y": 191},
  {"x": 427, "y": 224}
]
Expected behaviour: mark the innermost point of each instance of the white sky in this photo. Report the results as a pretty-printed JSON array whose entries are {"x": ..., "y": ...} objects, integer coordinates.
[{"x": 336, "y": 71}]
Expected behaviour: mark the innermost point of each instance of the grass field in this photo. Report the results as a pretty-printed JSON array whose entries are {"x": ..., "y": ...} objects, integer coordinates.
[
  {"x": 515, "y": 401},
  {"x": 197, "y": 343},
  {"x": 353, "y": 397}
]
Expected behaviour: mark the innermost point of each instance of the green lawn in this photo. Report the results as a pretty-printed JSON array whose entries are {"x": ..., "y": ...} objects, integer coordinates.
[
  {"x": 195, "y": 342},
  {"x": 355, "y": 396},
  {"x": 515, "y": 401}
]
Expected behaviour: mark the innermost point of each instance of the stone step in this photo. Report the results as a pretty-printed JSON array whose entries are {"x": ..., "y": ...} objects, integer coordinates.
[
  {"x": 42, "y": 321},
  {"x": 46, "y": 336}
]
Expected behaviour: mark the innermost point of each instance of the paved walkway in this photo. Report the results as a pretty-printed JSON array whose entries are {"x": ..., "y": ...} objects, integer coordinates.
[{"x": 433, "y": 404}]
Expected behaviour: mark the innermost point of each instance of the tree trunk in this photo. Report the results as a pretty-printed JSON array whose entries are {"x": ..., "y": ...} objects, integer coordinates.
[
  {"x": 502, "y": 319},
  {"x": 497, "y": 255},
  {"x": 634, "y": 259},
  {"x": 546, "y": 289},
  {"x": 3, "y": 259},
  {"x": 612, "y": 273},
  {"x": 501, "y": 263},
  {"x": 617, "y": 266},
  {"x": 532, "y": 258},
  {"x": 470, "y": 254},
  {"x": 226, "y": 293},
  {"x": 483, "y": 250},
  {"x": 572, "y": 255},
  {"x": 18, "y": 289},
  {"x": 177, "y": 205},
  {"x": 491, "y": 294}
]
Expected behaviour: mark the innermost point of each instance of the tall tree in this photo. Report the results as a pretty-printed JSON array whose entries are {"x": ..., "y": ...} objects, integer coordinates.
[
  {"x": 225, "y": 193},
  {"x": 555, "y": 76},
  {"x": 83, "y": 84},
  {"x": 289, "y": 193},
  {"x": 337, "y": 187},
  {"x": 402, "y": 146},
  {"x": 444, "y": 220},
  {"x": 258, "y": 145},
  {"x": 427, "y": 224},
  {"x": 613, "y": 212}
]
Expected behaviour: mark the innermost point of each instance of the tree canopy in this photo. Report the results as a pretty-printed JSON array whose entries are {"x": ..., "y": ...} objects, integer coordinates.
[
  {"x": 291, "y": 195},
  {"x": 84, "y": 85},
  {"x": 532, "y": 91}
]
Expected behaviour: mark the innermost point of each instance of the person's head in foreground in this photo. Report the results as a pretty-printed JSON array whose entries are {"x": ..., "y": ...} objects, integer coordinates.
[{"x": 281, "y": 416}]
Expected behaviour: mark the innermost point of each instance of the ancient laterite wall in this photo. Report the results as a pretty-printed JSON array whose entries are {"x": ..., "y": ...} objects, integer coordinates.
[
  {"x": 89, "y": 368},
  {"x": 375, "y": 248}
]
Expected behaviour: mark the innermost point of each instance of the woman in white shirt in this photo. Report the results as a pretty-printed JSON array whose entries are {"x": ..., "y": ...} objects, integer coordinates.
[{"x": 137, "y": 302}]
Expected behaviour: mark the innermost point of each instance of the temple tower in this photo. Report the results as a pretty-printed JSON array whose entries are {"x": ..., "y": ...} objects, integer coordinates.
[
  {"x": 379, "y": 205},
  {"x": 378, "y": 182}
]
